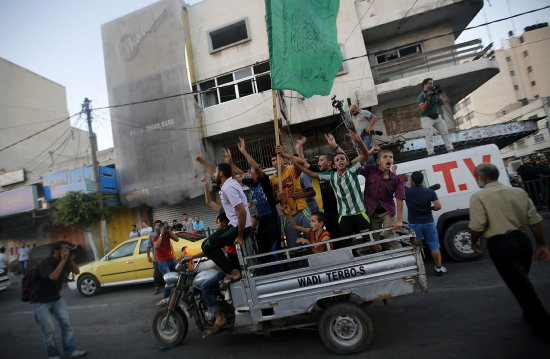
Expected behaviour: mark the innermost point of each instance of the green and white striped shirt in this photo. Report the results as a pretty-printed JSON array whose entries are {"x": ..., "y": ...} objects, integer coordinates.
[{"x": 346, "y": 188}]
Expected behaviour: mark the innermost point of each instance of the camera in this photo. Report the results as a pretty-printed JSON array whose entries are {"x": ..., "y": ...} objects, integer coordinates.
[
  {"x": 74, "y": 249},
  {"x": 166, "y": 227},
  {"x": 433, "y": 90},
  {"x": 337, "y": 104}
]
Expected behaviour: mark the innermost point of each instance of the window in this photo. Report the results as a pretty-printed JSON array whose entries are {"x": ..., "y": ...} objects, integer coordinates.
[
  {"x": 516, "y": 87},
  {"x": 228, "y": 36},
  {"x": 237, "y": 84},
  {"x": 397, "y": 53},
  {"x": 470, "y": 115},
  {"x": 533, "y": 83},
  {"x": 539, "y": 138},
  {"x": 508, "y": 59},
  {"x": 460, "y": 120},
  {"x": 143, "y": 246},
  {"x": 468, "y": 101},
  {"x": 537, "y": 96},
  {"x": 457, "y": 107},
  {"x": 525, "y": 53},
  {"x": 529, "y": 68},
  {"x": 521, "y": 143},
  {"x": 125, "y": 250},
  {"x": 512, "y": 73},
  {"x": 343, "y": 68},
  {"x": 521, "y": 39}
]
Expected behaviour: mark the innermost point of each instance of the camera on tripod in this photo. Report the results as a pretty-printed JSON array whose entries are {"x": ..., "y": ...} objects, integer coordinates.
[
  {"x": 337, "y": 104},
  {"x": 433, "y": 90}
]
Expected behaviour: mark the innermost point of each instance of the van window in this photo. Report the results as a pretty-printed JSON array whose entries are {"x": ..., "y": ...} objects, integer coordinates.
[{"x": 406, "y": 177}]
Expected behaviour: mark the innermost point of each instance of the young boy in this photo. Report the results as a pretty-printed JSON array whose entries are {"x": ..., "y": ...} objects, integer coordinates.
[
  {"x": 316, "y": 231},
  {"x": 351, "y": 208},
  {"x": 381, "y": 186}
]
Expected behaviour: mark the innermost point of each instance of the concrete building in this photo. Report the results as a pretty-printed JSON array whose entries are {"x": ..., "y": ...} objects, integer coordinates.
[
  {"x": 519, "y": 92},
  {"x": 388, "y": 51},
  {"x": 36, "y": 139}
]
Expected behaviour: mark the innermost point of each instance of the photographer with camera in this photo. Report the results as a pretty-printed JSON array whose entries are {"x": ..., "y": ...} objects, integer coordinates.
[
  {"x": 164, "y": 251},
  {"x": 47, "y": 304},
  {"x": 362, "y": 122},
  {"x": 429, "y": 101}
]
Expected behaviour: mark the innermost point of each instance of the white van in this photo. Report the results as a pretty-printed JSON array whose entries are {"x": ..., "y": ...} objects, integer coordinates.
[{"x": 454, "y": 172}]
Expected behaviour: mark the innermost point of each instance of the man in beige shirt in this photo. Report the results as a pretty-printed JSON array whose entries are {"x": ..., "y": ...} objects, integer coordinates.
[{"x": 501, "y": 215}]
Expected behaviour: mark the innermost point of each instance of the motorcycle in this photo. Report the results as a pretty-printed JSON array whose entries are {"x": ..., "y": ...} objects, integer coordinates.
[{"x": 170, "y": 323}]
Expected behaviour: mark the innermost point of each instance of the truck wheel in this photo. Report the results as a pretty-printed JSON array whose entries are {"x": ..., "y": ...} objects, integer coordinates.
[
  {"x": 169, "y": 331},
  {"x": 88, "y": 285},
  {"x": 457, "y": 243},
  {"x": 345, "y": 328}
]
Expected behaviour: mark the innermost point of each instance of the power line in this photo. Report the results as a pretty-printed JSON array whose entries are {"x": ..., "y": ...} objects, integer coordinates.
[{"x": 37, "y": 133}]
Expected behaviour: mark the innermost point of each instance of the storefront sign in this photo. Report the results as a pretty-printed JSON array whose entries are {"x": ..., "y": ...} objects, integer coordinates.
[{"x": 19, "y": 200}]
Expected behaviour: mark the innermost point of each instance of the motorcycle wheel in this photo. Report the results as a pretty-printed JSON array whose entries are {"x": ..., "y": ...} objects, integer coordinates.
[{"x": 175, "y": 328}]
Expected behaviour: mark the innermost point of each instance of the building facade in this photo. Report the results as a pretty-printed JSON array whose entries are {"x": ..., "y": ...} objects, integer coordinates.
[
  {"x": 387, "y": 50},
  {"x": 519, "y": 92}
]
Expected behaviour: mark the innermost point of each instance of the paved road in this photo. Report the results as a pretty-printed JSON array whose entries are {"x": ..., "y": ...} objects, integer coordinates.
[{"x": 467, "y": 314}]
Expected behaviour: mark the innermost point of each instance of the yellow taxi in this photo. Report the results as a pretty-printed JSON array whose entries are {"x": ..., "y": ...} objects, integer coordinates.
[{"x": 127, "y": 264}]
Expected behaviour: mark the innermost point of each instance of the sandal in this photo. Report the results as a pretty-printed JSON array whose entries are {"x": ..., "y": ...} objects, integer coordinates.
[
  {"x": 216, "y": 329},
  {"x": 226, "y": 281}
]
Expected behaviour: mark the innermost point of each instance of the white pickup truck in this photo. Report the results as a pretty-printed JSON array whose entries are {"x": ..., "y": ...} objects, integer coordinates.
[{"x": 454, "y": 172}]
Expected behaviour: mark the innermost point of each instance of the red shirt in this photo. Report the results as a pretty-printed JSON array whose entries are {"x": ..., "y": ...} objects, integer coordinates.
[
  {"x": 323, "y": 247},
  {"x": 164, "y": 251}
]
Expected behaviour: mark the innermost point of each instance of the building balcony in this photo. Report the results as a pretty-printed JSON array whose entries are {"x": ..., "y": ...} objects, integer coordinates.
[
  {"x": 386, "y": 22},
  {"x": 459, "y": 69}
]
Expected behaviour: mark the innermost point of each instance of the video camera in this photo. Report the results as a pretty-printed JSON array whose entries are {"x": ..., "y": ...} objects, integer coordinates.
[
  {"x": 433, "y": 90},
  {"x": 337, "y": 104}
]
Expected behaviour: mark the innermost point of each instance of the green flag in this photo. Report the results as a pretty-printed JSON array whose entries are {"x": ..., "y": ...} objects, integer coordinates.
[{"x": 303, "y": 48}]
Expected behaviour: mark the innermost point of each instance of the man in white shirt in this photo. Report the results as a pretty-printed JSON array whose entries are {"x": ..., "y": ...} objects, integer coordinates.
[
  {"x": 23, "y": 258},
  {"x": 145, "y": 228},
  {"x": 187, "y": 224},
  {"x": 363, "y": 121},
  {"x": 3, "y": 261}
]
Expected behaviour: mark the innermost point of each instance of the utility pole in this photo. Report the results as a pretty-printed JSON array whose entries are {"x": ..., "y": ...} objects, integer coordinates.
[{"x": 93, "y": 146}]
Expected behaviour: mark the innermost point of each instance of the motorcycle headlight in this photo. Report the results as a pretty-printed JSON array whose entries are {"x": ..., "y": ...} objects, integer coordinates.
[
  {"x": 179, "y": 267},
  {"x": 171, "y": 279}
]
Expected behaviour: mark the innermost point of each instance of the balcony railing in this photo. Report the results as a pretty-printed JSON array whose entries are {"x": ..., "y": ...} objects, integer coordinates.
[{"x": 422, "y": 62}]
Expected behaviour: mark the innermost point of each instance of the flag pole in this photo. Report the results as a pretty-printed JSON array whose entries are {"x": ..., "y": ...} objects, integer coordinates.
[{"x": 276, "y": 122}]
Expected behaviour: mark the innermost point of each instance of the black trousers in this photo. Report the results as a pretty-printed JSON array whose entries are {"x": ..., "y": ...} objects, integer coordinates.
[
  {"x": 269, "y": 232},
  {"x": 212, "y": 246},
  {"x": 512, "y": 255},
  {"x": 157, "y": 276}
]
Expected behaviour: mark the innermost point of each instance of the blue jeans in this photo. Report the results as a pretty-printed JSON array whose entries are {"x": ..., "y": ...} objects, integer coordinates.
[
  {"x": 426, "y": 232},
  {"x": 166, "y": 267},
  {"x": 207, "y": 289},
  {"x": 367, "y": 139},
  {"x": 44, "y": 313},
  {"x": 23, "y": 266}
]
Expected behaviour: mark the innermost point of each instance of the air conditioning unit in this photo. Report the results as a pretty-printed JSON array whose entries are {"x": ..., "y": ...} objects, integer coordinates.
[{"x": 43, "y": 204}]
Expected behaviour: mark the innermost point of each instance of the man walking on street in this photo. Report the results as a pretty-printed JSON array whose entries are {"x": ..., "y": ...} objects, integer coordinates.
[
  {"x": 23, "y": 258},
  {"x": 501, "y": 215},
  {"x": 419, "y": 203},
  {"x": 47, "y": 304}
]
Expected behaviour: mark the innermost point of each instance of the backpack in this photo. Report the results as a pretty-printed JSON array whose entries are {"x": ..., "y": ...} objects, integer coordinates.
[{"x": 26, "y": 286}]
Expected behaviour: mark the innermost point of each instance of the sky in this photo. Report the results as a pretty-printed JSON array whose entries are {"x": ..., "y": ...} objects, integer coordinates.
[{"x": 61, "y": 41}]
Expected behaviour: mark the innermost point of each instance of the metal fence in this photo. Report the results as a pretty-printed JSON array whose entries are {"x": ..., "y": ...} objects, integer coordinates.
[
  {"x": 422, "y": 62},
  {"x": 539, "y": 192}
]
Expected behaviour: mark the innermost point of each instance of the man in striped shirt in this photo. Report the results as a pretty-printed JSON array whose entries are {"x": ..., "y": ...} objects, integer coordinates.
[{"x": 351, "y": 207}]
